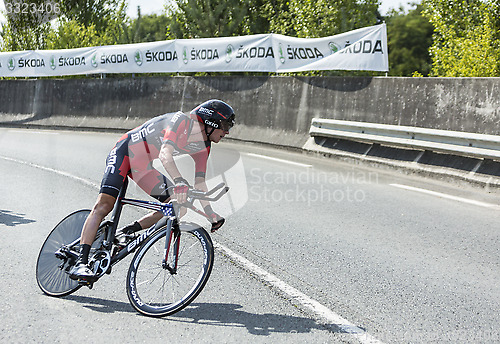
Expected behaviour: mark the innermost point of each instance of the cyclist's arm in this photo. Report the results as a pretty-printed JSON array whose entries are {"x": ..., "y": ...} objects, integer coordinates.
[
  {"x": 175, "y": 136},
  {"x": 167, "y": 159},
  {"x": 200, "y": 168},
  {"x": 200, "y": 184}
]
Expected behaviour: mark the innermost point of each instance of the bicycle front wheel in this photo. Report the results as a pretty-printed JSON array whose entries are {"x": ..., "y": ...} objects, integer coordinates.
[{"x": 155, "y": 290}]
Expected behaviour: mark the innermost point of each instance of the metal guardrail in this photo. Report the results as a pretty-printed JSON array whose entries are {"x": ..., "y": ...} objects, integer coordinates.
[{"x": 443, "y": 141}]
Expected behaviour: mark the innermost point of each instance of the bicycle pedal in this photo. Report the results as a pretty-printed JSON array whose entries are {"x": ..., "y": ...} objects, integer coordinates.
[{"x": 85, "y": 283}]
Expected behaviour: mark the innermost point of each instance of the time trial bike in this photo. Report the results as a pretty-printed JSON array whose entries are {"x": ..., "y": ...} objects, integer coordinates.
[{"x": 172, "y": 262}]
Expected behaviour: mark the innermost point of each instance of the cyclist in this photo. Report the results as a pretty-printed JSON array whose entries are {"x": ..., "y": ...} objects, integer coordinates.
[{"x": 162, "y": 137}]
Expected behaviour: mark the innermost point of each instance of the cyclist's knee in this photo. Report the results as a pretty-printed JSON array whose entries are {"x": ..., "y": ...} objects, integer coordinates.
[{"x": 104, "y": 205}]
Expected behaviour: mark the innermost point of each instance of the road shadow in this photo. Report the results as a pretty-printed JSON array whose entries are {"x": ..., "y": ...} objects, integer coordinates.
[
  {"x": 233, "y": 315},
  {"x": 219, "y": 314},
  {"x": 12, "y": 219},
  {"x": 101, "y": 305}
]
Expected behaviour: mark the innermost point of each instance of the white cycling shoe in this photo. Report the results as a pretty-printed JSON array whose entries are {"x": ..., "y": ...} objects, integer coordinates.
[{"x": 81, "y": 271}]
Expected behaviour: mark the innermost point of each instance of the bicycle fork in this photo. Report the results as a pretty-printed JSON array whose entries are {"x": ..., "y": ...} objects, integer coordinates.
[{"x": 172, "y": 241}]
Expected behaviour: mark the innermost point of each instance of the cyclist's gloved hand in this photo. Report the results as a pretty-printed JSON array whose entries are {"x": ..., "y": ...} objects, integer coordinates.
[
  {"x": 216, "y": 220},
  {"x": 180, "y": 190}
]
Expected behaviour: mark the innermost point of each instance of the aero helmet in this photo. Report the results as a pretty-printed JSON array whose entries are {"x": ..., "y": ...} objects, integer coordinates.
[{"x": 216, "y": 114}]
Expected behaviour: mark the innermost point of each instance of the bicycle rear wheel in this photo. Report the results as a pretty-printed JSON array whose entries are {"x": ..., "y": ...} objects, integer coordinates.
[
  {"x": 52, "y": 272},
  {"x": 156, "y": 291}
]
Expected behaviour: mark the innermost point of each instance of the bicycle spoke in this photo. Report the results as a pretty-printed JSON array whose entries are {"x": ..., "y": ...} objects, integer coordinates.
[{"x": 166, "y": 291}]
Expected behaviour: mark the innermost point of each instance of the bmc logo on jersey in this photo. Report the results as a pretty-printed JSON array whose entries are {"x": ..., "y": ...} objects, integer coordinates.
[
  {"x": 143, "y": 133},
  {"x": 212, "y": 124}
]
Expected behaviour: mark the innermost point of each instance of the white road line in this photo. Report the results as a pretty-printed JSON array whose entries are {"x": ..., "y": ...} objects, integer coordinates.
[
  {"x": 277, "y": 160},
  {"x": 346, "y": 327},
  {"x": 62, "y": 173},
  {"x": 454, "y": 198},
  {"x": 33, "y": 132},
  {"x": 323, "y": 312}
]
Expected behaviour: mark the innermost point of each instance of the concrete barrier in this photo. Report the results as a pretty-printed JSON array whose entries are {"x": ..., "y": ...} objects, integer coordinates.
[{"x": 276, "y": 110}]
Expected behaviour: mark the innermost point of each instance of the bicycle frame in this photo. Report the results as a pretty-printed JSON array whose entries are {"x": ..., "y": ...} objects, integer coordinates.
[
  {"x": 111, "y": 225},
  {"x": 169, "y": 220}
]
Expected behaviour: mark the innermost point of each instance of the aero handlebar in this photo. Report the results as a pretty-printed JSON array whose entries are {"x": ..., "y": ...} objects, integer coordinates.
[{"x": 202, "y": 195}]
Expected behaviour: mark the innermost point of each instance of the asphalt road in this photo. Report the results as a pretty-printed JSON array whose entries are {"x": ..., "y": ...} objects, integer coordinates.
[{"x": 343, "y": 244}]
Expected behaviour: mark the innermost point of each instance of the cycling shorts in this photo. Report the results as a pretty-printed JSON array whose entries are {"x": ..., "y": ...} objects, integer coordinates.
[{"x": 133, "y": 161}]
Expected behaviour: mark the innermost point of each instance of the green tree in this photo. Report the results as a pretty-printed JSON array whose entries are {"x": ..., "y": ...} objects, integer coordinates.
[
  {"x": 256, "y": 20},
  {"x": 409, "y": 37},
  {"x": 148, "y": 28},
  {"x": 101, "y": 14},
  {"x": 318, "y": 18},
  {"x": 466, "y": 38},
  {"x": 300, "y": 18},
  {"x": 207, "y": 18},
  {"x": 72, "y": 34},
  {"x": 106, "y": 20},
  {"x": 80, "y": 23},
  {"x": 25, "y": 28}
]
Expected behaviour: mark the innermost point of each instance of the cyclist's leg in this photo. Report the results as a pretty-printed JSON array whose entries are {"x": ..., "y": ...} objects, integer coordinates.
[
  {"x": 117, "y": 168},
  {"x": 150, "y": 219},
  {"x": 127, "y": 233},
  {"x": 102, "y": 207},
  {"x": 152, "y": 182}
]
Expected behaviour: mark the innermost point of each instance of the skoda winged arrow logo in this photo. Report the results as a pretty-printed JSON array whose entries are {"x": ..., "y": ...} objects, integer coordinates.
[
  {"x": 52, "y": 62},
  {"x": 281, "y": 53},
  {"x": 184, "y": 55},
  {"x": 333, "y": 48},
  {"x": 229, "y": 53},
  {"x": 11, "y": 64},
  {"x": 93, "y": 62},
  {"x": 138, "y": 57}
]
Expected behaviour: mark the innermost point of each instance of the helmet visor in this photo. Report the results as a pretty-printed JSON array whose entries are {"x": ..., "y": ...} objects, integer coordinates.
[{"x": 227, "y": 125}]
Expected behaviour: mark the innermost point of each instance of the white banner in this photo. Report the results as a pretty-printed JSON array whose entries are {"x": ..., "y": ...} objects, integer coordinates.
[{"x": 362, "y": 49}]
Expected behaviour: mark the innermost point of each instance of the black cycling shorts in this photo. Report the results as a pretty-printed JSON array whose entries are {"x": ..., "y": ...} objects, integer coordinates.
[{"x": 122, "y": 162}]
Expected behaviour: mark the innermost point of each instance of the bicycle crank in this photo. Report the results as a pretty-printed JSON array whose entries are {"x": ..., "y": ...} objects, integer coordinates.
[{"x": 100, "y": 263}]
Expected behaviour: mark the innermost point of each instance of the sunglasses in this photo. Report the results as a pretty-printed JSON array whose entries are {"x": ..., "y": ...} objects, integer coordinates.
[{"x": 226, "y": 126}]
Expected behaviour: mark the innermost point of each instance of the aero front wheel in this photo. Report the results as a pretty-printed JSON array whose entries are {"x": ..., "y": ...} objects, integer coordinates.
[
  {"x": 154, "y": 288},
  {"x": 51, "y": 273}
]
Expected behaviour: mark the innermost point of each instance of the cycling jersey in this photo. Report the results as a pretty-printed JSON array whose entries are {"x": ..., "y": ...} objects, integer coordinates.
[{"x": 134, "y": 153}]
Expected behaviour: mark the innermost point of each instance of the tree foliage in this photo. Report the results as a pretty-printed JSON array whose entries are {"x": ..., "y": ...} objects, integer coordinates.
[
  {"x": 316, "y": 18},
  {"x": 208, "y": 18},
  {"x": 148, "y": 28},
  {"x": 25, "y": 28},
  {"x": 409, "y": 37},
  {"x": 466, "y": 37},
  {"x": 101, "y": 14},
  {"x": 80, "y": 23},
  {"x": 300, "y": 18}
]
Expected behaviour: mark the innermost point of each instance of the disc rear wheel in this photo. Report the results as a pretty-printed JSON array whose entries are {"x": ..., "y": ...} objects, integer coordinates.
[{"x": 53, "y": 264}]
